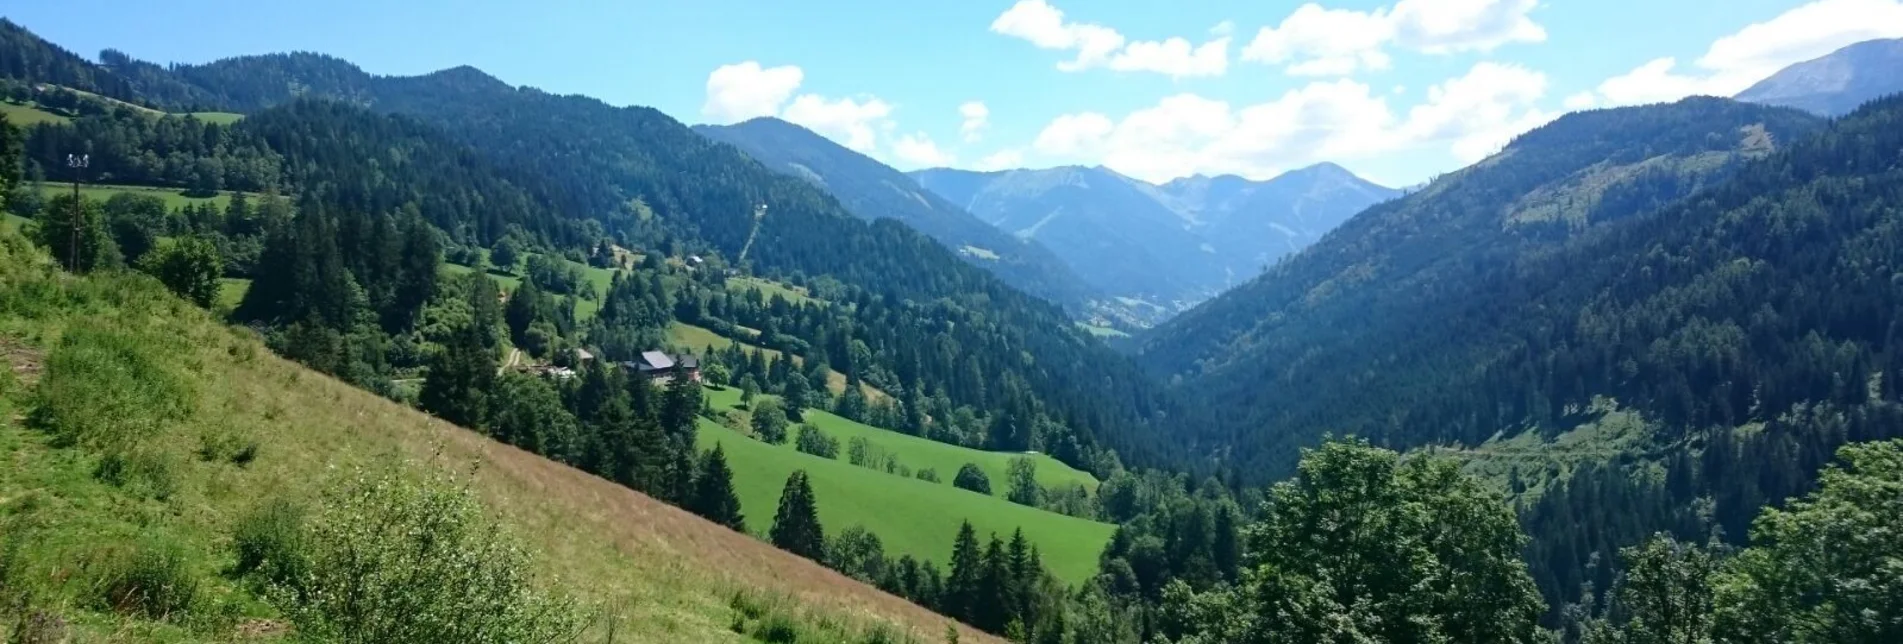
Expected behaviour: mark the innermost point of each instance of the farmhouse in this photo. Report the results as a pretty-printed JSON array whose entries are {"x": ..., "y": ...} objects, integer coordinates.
[{"x": 660, "y": 367}]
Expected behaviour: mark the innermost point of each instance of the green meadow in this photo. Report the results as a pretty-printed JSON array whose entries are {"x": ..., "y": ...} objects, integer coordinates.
[
  {"x": 174, "y": 197},
  {"x": 911, "y": 516}
]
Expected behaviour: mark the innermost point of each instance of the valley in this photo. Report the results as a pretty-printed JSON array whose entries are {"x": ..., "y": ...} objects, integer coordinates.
[{"x": 320, "y": 353}]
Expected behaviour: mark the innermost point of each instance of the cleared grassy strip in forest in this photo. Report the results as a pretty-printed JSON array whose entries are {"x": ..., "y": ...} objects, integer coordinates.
[
  {"x": 919, "y": 453},
  {"x": 910, "y": 516},
  {"x": 651, "y": 572},
  {"x": 174, "y": 197},
  {"x": 12, "y": 222},
  {"x": 27, "y": 115},
  {"x": 770, "y": 288},
  {"x": 219, "y": 118}
]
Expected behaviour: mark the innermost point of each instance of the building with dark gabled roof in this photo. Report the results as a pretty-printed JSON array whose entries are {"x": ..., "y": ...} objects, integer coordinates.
[{"x": 660, "y": 367}]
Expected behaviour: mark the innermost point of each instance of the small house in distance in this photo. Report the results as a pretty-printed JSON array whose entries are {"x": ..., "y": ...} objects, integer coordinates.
[{"x": 660, "y": 367}]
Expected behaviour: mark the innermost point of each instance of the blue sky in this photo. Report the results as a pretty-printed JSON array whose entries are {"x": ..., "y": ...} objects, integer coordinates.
[{"x": 1397, "y": 90}]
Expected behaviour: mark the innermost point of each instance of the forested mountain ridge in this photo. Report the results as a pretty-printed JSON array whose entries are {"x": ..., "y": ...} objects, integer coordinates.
[
  {"x": 1547, "y": 186},
  {"x": 1170, "y": 245},
  {"x": 1665, "y": 367},
  {"x": 1835, "y": 84},
  {"x": 872, "y": 190}
]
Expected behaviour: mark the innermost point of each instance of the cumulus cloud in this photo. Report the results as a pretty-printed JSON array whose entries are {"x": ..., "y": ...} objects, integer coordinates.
[
  {"x": 1317, "y": 41},
  {"x": 746, "y": 90},
  {"x": 854, "y": 123},
  {"x": 976, "y": 117},
  {"x": 1339, "y": 120},
  {"x": 1093, "y": 45},
  {"x": 1006, "y": 159},
  {"x": 1736, "y": 61},
  {"x": 918, "y": 150}
]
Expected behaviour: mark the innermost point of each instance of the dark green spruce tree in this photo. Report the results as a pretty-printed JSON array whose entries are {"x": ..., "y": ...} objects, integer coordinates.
[
  {"x": 460, "y": 379},
  {"x": 714, "y": 497},
  {"x": 796, "y": 526}
]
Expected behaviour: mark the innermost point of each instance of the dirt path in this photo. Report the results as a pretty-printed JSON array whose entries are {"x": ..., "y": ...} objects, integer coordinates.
[{"x": 515, "y": 357}]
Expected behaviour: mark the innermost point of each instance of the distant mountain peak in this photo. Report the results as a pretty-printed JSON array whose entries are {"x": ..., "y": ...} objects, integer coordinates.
[
  {"x": 467, "y": 75},
  {"x": 1837, "y": 83}
]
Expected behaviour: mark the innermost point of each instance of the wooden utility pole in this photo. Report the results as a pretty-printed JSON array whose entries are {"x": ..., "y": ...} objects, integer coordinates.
[{"x": 78, "y": 163}]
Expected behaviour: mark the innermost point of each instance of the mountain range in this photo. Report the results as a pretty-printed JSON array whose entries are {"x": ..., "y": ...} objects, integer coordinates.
[
  {"x": 1170, "y": 245},
  {"x": 1837, "y": 83},
  {"x": 873, "y": 190}
]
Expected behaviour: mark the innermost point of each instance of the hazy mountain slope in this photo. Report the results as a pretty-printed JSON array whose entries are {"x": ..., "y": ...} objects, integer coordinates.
[
  {"x": 1253, "y": 223},
  {"x": 872, "y": 190},
  {"x": 1837, "y": 83},
  {"x": 1174, "y": 244},
  {"x": 1359, "y": 332},
  {"x": 1109, "y": 231}
]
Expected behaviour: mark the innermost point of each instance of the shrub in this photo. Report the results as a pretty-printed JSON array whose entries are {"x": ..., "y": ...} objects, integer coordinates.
[
  {"x": 928, "y": 474},
  {"x": 270, "y": 541},
  {"x": 153, "y": 580},
  {"x": 395, "y": 559},
  {"x": 971, "y": 478},
  {"x": 813, "y": 441}
]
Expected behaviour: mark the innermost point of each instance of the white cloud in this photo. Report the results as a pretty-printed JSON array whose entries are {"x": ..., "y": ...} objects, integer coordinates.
[
  {"x": 976, "y": 117},
  {"x": 1482, "y": 111},
  {"x": 1317, "y": 41},
  {"x": 1175, "y": 57},
  {"x": 1340, "y": 120},
  {"x": 1006, "y": 159},
  {"x": 1094, "y": 45},
  {"x": 1445, "y": 26},
  {"x": 746, "y": 90},
  {"x": 1581, "y": 101},
  {"x": 1074, "y": 134},
  {"x": 918, "y": 150},
  {"x": 1735, "y": 62},
  {"x": 851, "y": 122}
]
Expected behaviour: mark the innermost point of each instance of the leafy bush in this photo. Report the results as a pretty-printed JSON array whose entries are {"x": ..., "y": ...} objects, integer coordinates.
[
  {"x": 270, "y": 542},
  {"x": 394, "y": 559},
  {"x": 813, "y": 441},
  {"x": 153, "y": 580},
  {"x": 971, "y": 478},
  {"x": 929, "y": 475}
]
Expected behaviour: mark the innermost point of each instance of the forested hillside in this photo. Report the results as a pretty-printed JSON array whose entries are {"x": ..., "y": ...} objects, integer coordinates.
[
  {"x": 1749, "y": 327},
  {"x": 873, "y": 191}
]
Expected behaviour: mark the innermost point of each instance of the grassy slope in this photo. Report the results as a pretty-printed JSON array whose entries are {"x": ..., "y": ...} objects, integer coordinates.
[
  {"x": 770, "y": 288},
  {"x": 918, "y": 453},
  {"x": 173, "y": 197},
  {"x": 659, "y": 574},
  {"x": 12, "y": 222},
  {"x": 25, "y": 115},
  {"x": 910, "y": 516}
]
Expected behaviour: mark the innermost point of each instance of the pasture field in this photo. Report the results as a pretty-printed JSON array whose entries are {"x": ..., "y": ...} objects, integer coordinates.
[{"x": 911, "y": 516}]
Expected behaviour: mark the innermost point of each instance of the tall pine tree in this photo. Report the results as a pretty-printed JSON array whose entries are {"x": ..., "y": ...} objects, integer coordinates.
[
  {"x": 796, "y": 527},
  {"x": 714, "y": 497}
]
